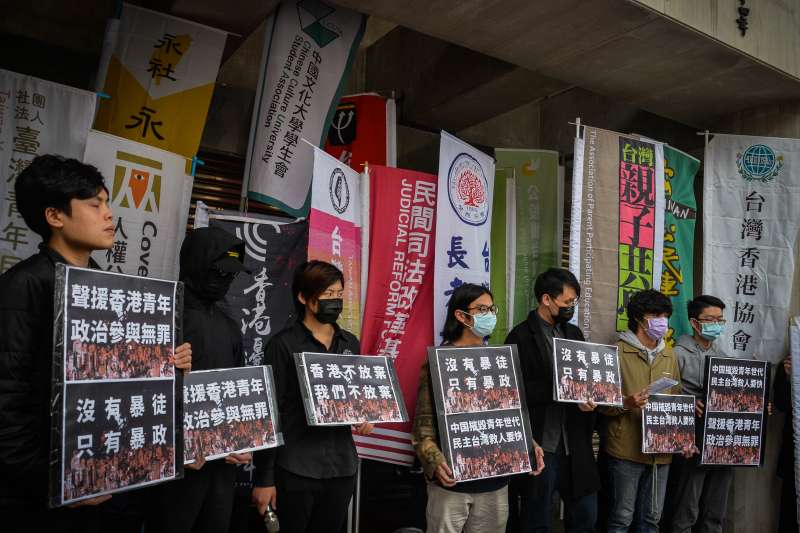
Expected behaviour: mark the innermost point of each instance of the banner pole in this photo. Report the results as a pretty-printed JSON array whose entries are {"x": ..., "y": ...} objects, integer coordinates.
[{"x": 357, "y": 513}]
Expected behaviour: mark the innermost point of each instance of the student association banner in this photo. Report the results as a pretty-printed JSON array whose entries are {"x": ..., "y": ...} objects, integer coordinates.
[
  {"x": 483, "y": 422},
  {"x": 37, "y": 117},
  {"x": 308, "y": 49},
  {"x": 398, "y": 321},
  {"x": 364, "y": 130},
  {"x": 751, "y": 202},
  {"x": 463, "y": 222},
  {"x": 114, "y": 422},
  {"x": 150, "y": 192},
  {"x": 616, "y": 231},
  {"x": 160, "y": 73}
]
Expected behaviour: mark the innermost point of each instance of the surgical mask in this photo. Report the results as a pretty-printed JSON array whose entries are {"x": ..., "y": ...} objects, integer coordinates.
[
  {"x": 328, "y": 310},
  {"x": 711, "y": 331},
  {"x": 214, "y": 286},
  {"x": 657, "y": 327},
  {"x": 565, "y": 314},
  {"x": 484, "y": 324}
]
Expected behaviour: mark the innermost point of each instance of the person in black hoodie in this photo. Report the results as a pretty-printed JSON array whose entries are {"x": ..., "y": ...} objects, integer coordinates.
[
  {"x": 202, "y": 502},
  {"x": 564, "y": 431},
  {"x": 787, "y": 520},
  {"x": 65, "y": 202}
]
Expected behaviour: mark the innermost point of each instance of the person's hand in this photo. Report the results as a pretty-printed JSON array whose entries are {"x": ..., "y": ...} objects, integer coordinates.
[
  {"x": 538, "y": 452},
  {"x": 239, "y": 458},
  {"x": 91, "y": 502},
  {"x": 698, "y": 408},
  {"x": 183, "y": 357},
  {"x": 263, "y": 497},
  {"x": 690, "y": 451},
  {"x": 364, "y": 429},
  {"x": 787, "y": 365},
  {"x": 636, "y": 401},
  {"x": 587, "y": 406},
  {"x": 445, "y": 475},
  {"x": 198, "y": 463}
]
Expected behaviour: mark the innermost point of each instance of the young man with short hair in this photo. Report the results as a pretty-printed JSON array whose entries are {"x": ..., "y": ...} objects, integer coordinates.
[{"x": 66, "y": 203}]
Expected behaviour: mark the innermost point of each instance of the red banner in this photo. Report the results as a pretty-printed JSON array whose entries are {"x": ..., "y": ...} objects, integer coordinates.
[
  {"x": 398, "y": 315},
  {"x": 359, "y": 131}
]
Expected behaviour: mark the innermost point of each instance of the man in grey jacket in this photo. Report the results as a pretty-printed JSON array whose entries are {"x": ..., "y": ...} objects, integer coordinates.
[{"x": 697, "y": 496}]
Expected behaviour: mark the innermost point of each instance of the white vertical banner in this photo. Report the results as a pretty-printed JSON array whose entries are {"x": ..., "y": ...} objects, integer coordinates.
[
  {"x": 308, "y": 48},
  {"x": 575, "y": 216},
  {"x": 463, "y": 222},
  {"x": 751, "y": 201},
  {"x": 37, "y": 117},
  {"x": 150, "y": 192}
]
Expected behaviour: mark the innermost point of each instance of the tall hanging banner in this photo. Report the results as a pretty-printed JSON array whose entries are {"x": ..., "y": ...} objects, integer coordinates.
[
  {"x": 751, "y": 202},
  {"x": 616, "y": 239},
  {"x": 150, "y": 192},
  {"x": 334, "y": 229},
  {"x": 160, "y": 78},
  {"x": 308, "y": 49},
  {"x": 36, "y": 117},
  {"x": 677, "y": 273},
  {"x": 397, "y": 315},
  {"x": 463, "y": 222},
  {"x": 502, "y": 242},
  {"x": 364, "y": 130}
]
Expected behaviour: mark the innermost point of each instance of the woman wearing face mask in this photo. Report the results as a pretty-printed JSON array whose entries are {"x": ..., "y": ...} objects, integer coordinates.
[
  {"x": 471, "y": 506},
  {"x": 309, "y": 481}
]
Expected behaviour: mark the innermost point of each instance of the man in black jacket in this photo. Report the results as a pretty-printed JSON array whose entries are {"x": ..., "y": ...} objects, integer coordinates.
[
  {"x": 66, "y": 203},
  {"x": 563, "y": 430},
  {"x": 202, "y": 501}
]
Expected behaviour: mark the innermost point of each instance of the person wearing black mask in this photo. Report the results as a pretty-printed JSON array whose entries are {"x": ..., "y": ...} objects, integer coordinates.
[
  {"x": 202, "y": 501},
  {"x": 563, "y": 430},
  {"x": 309, "y": 481}
]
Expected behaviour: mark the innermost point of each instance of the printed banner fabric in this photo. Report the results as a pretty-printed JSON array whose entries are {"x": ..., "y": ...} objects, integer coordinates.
[
  {"x": 115, "y": 426},
  {"x": 794, "y": 379},
  {"x": 334, "y": 229},
  {"x": 463, "y": 222},
  {"x": 308, "y": 49},
  {"x": 160, "y": 77},
  {"x": 398, "y": 321},
  {"x": 586, "y": 371},
  {"x": 502, "y": 235},
  {"x": 36, "y": 117},
  {"x": 677, "y": 273},
  {"x": 668, "y": 423},
  {"x": 615, "y": 249},
  {"x": 364, "y": 130},
  {"x": 150, "y": 192},
  {"x": 751, "y": 212}
]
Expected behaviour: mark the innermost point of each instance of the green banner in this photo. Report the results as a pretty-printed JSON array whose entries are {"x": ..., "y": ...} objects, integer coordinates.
[
  {"x": 679, "y": 219},
  {"x": 499, "y": 250}
]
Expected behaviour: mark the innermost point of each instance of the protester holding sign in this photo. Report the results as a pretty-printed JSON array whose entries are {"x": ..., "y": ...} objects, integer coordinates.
[
  {"x": 638, "y": 482},
  {"x": 66, "y": 203},
  {"x": 564, "y": 430},
  {"x": 474, "y": 506},
  {"x": 210, "y": 259},
  {"x": 309, "y": 481},
  {"x": 787, "y": 522}
]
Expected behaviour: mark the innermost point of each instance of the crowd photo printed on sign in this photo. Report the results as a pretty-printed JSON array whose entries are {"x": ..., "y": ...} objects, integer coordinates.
[
  {"x": 668, "y": 423},
  {"x": 586, "y": 371}
]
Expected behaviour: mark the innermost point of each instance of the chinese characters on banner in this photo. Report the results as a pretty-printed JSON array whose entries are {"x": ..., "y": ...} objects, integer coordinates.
[
  {"x": 37, "y": 117},
  {"x": 668, "y": 423},
  {"x": 398, "y": 321},
  {"x": 115, "y": 428},
  {"x": 751, "y": 200},
  {"x": 349, "y": 389},
  {"x": 364, "y": 130},
  {"x": 261, "y": 302},
  {"x": 586, "y": 371},
  {"x": 484, "y": 426},
  {"x": 160, "y": 77},
  {"x": 334, "y": 234},
  {"x": 463, "y": 222},
  {"x": 308, "y": 49},
  {"x": 150, "y": 193},
  {"x": 229, "y": 410},
  {"x": 735, "y": 411}
]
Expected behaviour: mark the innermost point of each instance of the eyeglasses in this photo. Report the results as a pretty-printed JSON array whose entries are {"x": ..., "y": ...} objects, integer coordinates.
[
  {"x": 711, "y": 320},
  {"x": 482, "y": 309}
]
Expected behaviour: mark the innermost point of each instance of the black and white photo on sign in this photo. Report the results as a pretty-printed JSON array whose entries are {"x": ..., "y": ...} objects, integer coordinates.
[
  {"x": 349, "y": 389},
  {"x": 586, "y": 371},
  {"x": 485, "y": 429},
  {"x": 228, "y": 411},
  {"x": 668, "y": 423}
]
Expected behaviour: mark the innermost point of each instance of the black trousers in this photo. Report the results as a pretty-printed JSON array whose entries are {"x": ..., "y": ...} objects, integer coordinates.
[
  {"x": 787, "y": 519},
  {"x": 112, "y": 515},
  {"x": 307, "y": 505},
  {"x": 201, "y": 502}
]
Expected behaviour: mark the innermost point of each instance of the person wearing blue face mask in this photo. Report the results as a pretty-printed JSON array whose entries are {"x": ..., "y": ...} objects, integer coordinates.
[{"x": 697, "y": 496}]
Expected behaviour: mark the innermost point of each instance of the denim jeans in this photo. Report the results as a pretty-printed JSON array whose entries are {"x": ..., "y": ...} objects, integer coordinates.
[
  {"x": 637, "y": 495},
  {"x": 580, "y": 514}
]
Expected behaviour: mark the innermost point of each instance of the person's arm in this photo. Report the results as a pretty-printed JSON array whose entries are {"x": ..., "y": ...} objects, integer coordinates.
[
  {"x": 538, "y": 389},
  {"x": 781, "y": 391},
  {"x": 425, "y": 437}
]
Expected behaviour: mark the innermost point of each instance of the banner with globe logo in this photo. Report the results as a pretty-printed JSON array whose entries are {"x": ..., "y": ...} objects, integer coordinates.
[{"x": 751, "y": 200}]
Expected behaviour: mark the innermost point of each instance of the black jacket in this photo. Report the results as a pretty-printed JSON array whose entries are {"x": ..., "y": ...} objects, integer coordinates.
[
  {"x": 536, "y": 362},
  {"x": 26, "y": 359},
  {"x": 782, "y": 395}
]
